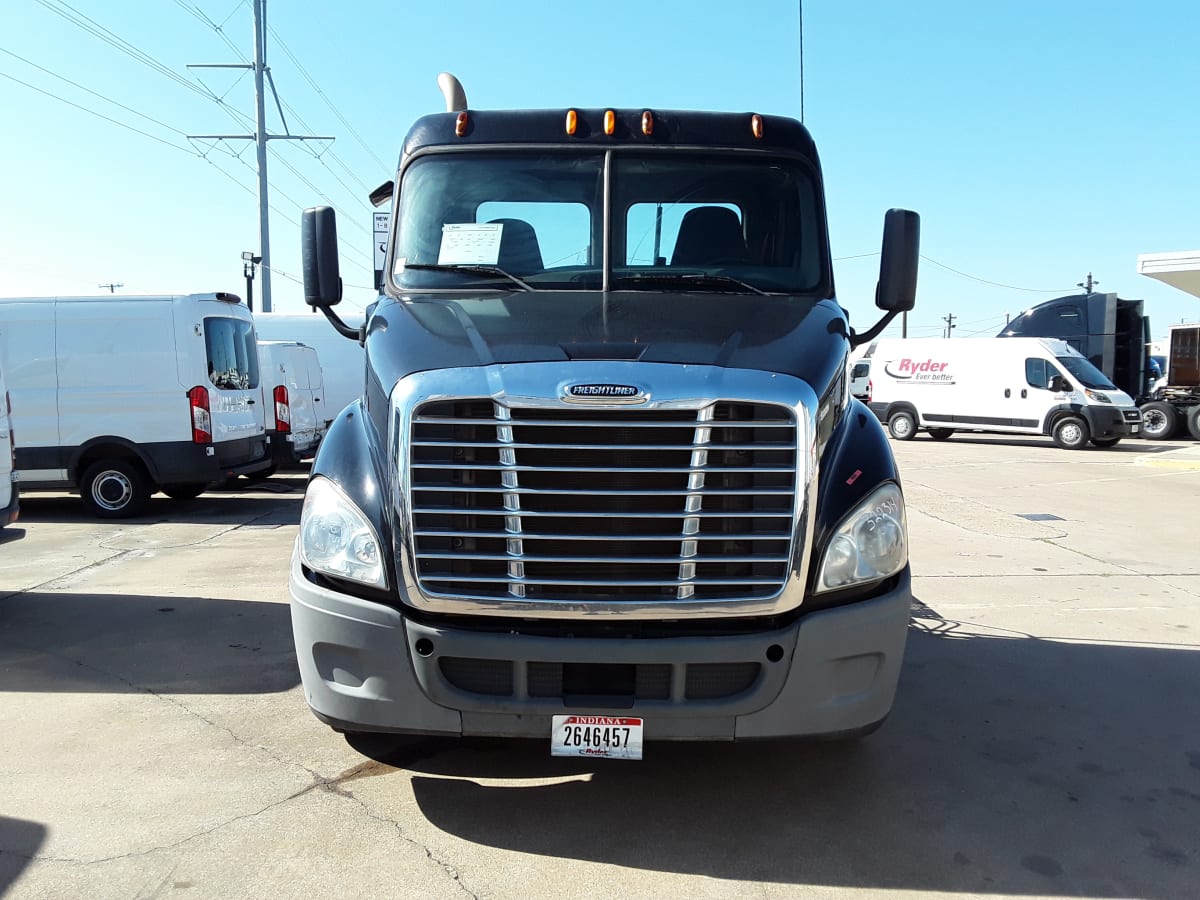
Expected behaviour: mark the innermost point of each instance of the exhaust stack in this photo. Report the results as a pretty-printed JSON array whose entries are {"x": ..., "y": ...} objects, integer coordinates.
[{"x": 452, "y": 90}]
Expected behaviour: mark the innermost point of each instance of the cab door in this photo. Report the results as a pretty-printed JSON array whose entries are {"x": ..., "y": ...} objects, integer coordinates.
[{"x": 1031, "y": 400}]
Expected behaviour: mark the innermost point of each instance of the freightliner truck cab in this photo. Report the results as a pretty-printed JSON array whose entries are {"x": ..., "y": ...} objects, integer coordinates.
[{"x": 606, "y": 481}]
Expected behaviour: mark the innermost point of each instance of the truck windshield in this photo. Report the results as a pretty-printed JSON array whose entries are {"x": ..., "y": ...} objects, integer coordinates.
[
  {"x": 1085, "y": 373},
  {"x": 679, "y": 221}
]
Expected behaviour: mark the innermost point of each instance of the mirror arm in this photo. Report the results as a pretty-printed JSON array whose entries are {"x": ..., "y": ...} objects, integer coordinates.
[
  {"x": 857, "y": 339},
  {"x": 355, "y": 334}
]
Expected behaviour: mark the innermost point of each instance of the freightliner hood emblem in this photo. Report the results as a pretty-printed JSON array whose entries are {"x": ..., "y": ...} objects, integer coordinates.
[{"x": 604, "y": 393}]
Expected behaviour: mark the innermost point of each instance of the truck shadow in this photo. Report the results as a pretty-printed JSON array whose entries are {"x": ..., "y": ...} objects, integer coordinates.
[
  {"x": 1011, "y": 764},
  {"x": 1132, "y": 446},
  {"x": 19, "y": 842},
  {"x": 226, "y": 507},
  {"x": 58, "y": 642}
]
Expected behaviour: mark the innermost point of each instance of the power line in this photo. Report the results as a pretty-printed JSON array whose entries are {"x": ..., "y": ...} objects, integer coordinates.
[
  {"x": 114, "y": 40},
  {"x": 304, "y": 72},
  {"x": 91, "y": 112},
  {"x": 90, "y": 91},
  {"x": 1011, "y": 287}
]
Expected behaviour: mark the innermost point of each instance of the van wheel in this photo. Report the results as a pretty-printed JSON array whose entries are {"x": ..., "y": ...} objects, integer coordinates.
[
  {"x": 1105, "y": 442},
  {"x": 114, "y": 489},
  {"x": 1071, "y": 433},
  {"x": 1194, "y": 422},
  {"x": 902, "y": 426},
  {"x": 1158, "y": 421},
  {"x": 940, "y": 434},
  {"x": 183, "y": 491}
]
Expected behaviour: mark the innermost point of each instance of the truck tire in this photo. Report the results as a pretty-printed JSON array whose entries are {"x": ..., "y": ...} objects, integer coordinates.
[
  {"x": 1158, "y": 421},
  {"x": 940, "y": 434},
  {"x": 902, "y": 426},
  {"x": 183, "y": 491},
  {"x": 114, "y": 489},
  {"x": 1071, "y": 433},
  {"x": 1193, "y": 420}
]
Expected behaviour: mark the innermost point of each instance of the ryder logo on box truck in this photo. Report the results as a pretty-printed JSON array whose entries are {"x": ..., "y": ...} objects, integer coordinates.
[{"x": 927, "y": 371}]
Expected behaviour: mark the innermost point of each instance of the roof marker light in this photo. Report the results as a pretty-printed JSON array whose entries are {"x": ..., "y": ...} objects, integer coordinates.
[
  {"x": 610, "y": 121},
  {"x": 647, "y": 123},
  {"x": 756, "y": 126},
  {"x": 460, "y": 124},
  {"x": 572, "y": 121}
]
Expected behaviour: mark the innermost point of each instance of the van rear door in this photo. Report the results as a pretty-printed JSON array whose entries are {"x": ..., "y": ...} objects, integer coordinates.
[{"x": 232, "y": 358}]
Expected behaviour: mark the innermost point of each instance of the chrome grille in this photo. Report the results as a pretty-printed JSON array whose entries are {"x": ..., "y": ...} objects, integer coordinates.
[{"x": 602, "y": 505}]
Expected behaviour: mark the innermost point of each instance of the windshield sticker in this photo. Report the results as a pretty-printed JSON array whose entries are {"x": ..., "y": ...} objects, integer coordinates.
[{"x": 470, "y": 244}]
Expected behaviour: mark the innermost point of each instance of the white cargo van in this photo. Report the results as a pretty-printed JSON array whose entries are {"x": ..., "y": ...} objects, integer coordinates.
[
  {"x": 293, "y": 397},
  {"x": 9, "y": 505},
  {"x": 342, "y": 363},
  {"x": 121, "y": 396},
  {"x": 1011, "y": 386}
]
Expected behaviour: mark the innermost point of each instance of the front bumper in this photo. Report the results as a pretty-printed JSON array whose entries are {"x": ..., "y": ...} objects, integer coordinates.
[
  {"x": 366, "y": 667},
  {"x": 1114, "y": 421}
]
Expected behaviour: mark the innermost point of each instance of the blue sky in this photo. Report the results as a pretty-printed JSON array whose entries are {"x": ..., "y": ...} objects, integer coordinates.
[{"x": 1038, "y": 140}]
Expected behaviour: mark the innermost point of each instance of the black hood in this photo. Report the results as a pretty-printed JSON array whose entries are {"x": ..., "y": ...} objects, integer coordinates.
[{"x": 420, "y": 332}]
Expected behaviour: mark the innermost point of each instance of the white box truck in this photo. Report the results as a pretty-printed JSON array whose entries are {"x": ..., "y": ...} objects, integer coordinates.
[
  {"x": 1010, "y": 386},
  {"x": 118, "y": 397},
  {"x": 294, "y": 399}
]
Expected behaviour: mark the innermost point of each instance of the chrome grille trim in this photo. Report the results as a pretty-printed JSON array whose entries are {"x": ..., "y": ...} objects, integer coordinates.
[{"x": 491, "y": 511}]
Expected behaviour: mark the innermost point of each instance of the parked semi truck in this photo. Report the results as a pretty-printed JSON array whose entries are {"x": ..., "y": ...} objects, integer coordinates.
[
  {"x": 1115, "y": 335},
  {"x": 606, "y": 481}
]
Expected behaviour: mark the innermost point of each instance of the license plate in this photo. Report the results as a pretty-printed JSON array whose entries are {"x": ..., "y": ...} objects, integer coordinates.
[
  {"x": 611, "y": 737},
  {"x": 1136, "y": 429}
]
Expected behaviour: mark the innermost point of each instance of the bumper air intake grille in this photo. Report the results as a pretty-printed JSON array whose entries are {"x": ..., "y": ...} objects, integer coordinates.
[
  {"x": 582, "y": 505},
  {"x": 568, "y": 681}
]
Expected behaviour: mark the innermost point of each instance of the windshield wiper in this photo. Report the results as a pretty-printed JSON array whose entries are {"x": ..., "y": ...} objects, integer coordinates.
[
  {"x": 691, "y": 280},
  {"x": 472, "y": 269}
]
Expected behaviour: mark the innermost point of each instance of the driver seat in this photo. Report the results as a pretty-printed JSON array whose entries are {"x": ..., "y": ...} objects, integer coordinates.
[{"x": 709, "y": 235}]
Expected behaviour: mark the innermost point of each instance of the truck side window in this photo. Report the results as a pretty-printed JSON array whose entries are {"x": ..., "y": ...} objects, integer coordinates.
[{"x": 1037, "y": 374}]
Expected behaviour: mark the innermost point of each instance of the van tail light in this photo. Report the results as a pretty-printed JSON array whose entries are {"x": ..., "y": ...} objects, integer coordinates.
[
  {"x": 283, "y": 412},
  {"x": 201, "y": 417},
  {"x": 870, "y": 389},
  {"x": 12, "y": 436}
]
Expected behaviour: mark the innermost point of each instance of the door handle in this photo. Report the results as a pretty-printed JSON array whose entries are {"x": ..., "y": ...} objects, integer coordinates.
[
  {"x": 1007, "y": 393},
  {"x": 1024, "y": 393}
]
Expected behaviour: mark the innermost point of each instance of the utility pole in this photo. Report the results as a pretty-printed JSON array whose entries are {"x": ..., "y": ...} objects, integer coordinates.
[
  {"x": 112, "y": 286},
  {"x": 260, "y": 136},
  {"x": 1089, "y": 284},
  {"x": 949, "y": 320}
]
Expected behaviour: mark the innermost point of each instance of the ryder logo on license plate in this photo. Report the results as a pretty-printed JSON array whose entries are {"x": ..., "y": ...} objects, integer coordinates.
[{"x": 612, "y": 737}]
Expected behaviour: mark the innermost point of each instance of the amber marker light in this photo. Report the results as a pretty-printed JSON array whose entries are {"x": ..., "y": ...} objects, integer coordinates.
[
  {"x": 610, "y": 122},
  {"x": 647, "y": 123},
  {"x": 572, "y": 121},
  {"x": 460, "y": 124},
  {"x": 756, "y": 126}
]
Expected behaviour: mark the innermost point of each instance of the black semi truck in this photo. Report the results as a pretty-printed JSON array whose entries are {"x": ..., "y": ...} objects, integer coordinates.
[{"x": 606, "y": 480}]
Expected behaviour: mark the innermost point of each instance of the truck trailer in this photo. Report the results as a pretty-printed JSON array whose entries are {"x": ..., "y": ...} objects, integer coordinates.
[{"x": 606, "y": 482}]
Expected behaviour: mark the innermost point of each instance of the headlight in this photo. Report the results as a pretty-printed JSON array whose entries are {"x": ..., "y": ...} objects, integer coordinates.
[
  {"x": 336, "y": 538},
  {"x": 1097, "y": 396},
  {"x": 870, "y": 544}
]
